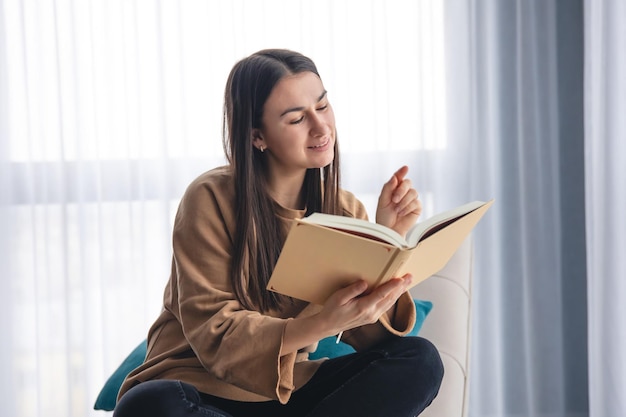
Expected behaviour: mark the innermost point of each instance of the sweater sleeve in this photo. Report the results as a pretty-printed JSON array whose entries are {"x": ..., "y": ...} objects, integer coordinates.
[{"x": 238, "y": 346}]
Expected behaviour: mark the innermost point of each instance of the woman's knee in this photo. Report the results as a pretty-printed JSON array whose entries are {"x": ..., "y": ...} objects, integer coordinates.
[
  {"x": 158, "y": 398},
  {"x": 428, "y": 366},
  {"x": 148, "y": 398},
  {"x": 137, "y": 398},
  {"x": 421, "y": 358},
  {"x": 427, "y": 355},
  {"x": 164, "y": 398}
]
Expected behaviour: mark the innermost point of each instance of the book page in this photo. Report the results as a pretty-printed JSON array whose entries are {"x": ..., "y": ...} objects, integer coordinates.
[
  {"x": 437, "y": 222},
  {"x": 361, "y": 227},
  {"x": 318, "y": 258}
]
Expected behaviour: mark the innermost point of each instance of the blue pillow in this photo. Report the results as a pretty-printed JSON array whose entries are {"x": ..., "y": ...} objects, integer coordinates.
[
  {"x": 327, "y": 348},
  {"x": 108, "y": 395}
]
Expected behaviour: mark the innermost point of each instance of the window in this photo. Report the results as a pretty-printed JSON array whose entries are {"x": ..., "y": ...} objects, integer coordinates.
[{"x": 112, "y": 107}]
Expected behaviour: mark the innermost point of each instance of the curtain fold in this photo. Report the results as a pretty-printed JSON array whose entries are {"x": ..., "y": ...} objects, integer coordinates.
[
  {"x": 517, "y": 66},
  {"x": 605, "y": 176}
]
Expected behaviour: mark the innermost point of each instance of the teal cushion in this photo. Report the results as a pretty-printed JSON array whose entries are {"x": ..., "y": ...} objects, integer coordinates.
[
  {"x": 108, "y": 395},
  {"x": 327, "y": 348}
]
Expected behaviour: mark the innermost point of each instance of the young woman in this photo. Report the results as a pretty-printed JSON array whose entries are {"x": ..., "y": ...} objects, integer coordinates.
[{"x": 224, "y": 345}]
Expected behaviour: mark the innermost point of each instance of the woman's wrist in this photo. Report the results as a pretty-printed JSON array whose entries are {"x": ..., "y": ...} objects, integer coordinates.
[{"x": 305, "y": 331}]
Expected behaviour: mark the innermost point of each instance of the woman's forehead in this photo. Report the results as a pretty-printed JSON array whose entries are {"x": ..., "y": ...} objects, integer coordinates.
[{"x": 298, "y": 90}]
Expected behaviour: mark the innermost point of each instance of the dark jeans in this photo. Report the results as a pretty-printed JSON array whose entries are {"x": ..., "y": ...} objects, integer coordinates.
[{"x": 397, "y": 378}]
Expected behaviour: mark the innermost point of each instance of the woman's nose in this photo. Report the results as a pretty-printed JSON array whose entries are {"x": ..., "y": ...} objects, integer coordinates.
[{"x": 319, "y": 125}]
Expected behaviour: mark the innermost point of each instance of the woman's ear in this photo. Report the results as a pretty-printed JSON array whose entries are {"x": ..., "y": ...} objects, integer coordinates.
[{"x": 257, "y": 140}]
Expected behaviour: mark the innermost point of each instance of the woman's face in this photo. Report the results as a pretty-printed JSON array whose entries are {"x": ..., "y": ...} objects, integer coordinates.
[{"x": 298, "y": 126}]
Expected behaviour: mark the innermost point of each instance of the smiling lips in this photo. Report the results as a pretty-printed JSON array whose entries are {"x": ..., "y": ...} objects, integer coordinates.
[{"x": 321, "y": 145}]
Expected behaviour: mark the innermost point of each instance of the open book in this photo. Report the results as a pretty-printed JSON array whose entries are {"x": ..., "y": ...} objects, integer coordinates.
[{"x": 324, "y": 252}]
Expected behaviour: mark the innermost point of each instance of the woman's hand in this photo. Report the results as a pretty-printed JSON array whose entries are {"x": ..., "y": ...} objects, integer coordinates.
[
  {"x": 349, "y": 307},
  {"x": 398, "y": 205},
  {"x": 346, "y": 309}
]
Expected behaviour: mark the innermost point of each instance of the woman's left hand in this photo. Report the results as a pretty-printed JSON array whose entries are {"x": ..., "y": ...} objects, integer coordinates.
[{"x": 398, "y": 204}]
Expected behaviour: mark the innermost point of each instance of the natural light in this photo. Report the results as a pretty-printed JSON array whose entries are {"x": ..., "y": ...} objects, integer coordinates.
[
  {"x": 115, "y": 105},
  {"x": 131, "y": 80}
]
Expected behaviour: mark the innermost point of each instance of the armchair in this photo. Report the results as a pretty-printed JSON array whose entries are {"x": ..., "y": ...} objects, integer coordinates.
[{"x": 448, "y": 327}]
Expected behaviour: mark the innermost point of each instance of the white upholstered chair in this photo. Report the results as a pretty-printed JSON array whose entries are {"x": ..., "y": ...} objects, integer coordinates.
[{"x": 448, "y": 327}]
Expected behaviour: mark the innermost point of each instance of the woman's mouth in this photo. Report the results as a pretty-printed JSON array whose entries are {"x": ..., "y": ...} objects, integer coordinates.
[{"x": 320, "y": 147}]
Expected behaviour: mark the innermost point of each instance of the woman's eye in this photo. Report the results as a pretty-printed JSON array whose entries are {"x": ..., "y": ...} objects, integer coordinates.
[
  {"x": 298, "y": 121},
  {"x": 324, "y": 107}
]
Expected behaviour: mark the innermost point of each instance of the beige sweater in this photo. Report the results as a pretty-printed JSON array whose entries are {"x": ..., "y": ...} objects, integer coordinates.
[{"x": 204, "y": 337}]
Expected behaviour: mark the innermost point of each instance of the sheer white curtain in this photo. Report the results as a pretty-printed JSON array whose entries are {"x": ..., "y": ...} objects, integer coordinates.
[
  {"x": 109, "y": 108},
  {"x": 605, "y": 174}
]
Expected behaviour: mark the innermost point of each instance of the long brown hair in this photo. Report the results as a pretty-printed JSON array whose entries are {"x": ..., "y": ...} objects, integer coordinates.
[{"x": 258, "y": 238}]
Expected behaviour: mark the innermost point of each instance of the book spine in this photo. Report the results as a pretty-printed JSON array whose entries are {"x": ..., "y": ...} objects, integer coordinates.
[
  {"x": 394, "y": 268},
  {"x": 397, "y": 259}
]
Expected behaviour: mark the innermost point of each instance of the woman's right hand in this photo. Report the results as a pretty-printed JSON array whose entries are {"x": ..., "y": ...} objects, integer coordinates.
[
  {"x": 346, "y": 309},
  {"x": 352, "y": 307}
]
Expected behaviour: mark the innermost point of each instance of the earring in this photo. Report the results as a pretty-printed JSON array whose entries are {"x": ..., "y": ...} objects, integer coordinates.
[{"x": 261, "y": 148}]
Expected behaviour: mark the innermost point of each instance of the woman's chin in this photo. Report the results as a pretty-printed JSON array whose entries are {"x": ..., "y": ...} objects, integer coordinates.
[{"x": 324, "y": 161}]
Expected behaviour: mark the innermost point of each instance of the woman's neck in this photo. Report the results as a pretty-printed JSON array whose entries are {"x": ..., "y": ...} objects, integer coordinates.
[{"x": 287, "y": 191}]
